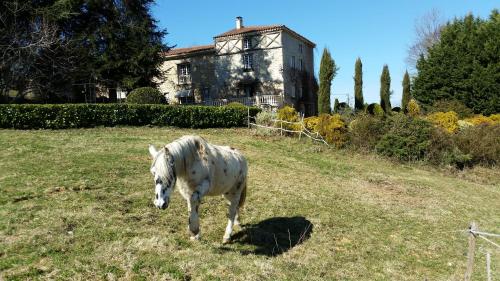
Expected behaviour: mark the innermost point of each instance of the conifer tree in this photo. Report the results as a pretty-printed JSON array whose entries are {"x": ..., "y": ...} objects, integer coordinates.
[
  {"x": 385, "y": 90},
  {"x": 358, "y": 85},
  {"x": 406, "y": 92},
  {"x": 327, "y": 72}
]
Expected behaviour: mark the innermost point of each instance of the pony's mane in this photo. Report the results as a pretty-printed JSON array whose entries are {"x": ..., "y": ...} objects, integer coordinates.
[{"x": 184, "y": 151}]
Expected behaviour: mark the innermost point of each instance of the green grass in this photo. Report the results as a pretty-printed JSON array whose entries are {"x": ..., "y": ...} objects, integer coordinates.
[{"x": 77, "y": 204}]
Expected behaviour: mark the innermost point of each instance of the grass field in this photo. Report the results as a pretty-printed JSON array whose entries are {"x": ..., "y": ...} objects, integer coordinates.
[{"x": 77, "y": 204}]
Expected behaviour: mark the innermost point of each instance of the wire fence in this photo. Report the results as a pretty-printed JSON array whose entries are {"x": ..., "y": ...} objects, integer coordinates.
[
  {"x": 475, "y": 233},
  {"x": 302, "y": 131}
]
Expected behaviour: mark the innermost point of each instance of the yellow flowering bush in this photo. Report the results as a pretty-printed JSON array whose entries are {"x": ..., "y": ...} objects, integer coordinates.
[
  {"x": 481, "y": 119},
  {"x": 311, "y": 122},
  {"x": 445, "y": 120},
  {"x": 289, "y": 114},
  {"x": 413, "y": 109},
  {"x": 332, "y": 128}
]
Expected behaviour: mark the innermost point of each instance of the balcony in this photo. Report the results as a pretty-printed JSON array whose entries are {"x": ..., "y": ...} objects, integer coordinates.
[{"x": 273, "y": 101}]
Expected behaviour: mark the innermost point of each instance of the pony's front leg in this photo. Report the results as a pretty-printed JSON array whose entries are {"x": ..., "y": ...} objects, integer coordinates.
[
  {"x": 194, "y": 218},
  {"x": 233, "y": 212},
  {"x": 193, "y": 206}
]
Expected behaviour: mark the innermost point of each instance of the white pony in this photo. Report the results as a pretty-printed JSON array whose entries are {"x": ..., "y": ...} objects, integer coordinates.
[{"x": 198, "y": 168}]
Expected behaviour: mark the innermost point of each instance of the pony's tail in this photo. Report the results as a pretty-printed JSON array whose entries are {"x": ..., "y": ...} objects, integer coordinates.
[{"x": 243, "y": 195}]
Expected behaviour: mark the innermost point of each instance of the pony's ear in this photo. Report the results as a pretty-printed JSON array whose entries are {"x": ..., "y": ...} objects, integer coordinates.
[{"x": 152, "y": 151}]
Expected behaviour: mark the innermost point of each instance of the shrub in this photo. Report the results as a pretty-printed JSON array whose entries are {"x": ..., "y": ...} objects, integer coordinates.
[
  {"x": 265, "y": 118},
  {"x": 445, "y": 120},
  {"x": 375, "y": 109},
  {"x": 236, "y": 104},
  {"x": 413, "y": 109},
  {"x": 406, "y": 138},
  {"x": 396, "y": 109},
  {"x": 495, "y": 118},
  {"x": 442, "y": 150},
  {"x": 289, "y": 114},
  {"x": 366, "y": 131},
  {"x": 63, "y": 116},
  {"x": 451, "y": 105},
  {"x": 146, "y": 95},
  {"x": 311, "y": 122},
  {"x": 481, "y": 142},
  {"x": 483, "y": 120},
  {"x": 332, "y": 128}
]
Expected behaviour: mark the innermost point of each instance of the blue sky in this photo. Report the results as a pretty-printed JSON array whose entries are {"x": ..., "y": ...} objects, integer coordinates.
[{"x": 379, "y": 32}]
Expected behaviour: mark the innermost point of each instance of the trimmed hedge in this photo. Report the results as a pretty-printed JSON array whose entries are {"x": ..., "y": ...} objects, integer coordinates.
[
  {"x": 63, "y": 116},
  {"x": 146, "y": 95}
]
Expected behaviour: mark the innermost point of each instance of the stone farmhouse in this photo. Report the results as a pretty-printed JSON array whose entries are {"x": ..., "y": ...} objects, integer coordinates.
[{"x": 267, "y": 66}]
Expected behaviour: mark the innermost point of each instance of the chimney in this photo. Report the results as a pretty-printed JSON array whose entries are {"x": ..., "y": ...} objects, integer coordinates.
[{"x": 239, "y": 22}]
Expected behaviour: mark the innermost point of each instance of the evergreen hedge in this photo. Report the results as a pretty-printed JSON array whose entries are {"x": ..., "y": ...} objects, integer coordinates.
[
  {"x": 64, "y": 116},
  {"x": 146, "y": 95}
]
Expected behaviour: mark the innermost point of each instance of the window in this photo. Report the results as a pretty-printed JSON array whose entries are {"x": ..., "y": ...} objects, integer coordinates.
[
  {"x": 301, "y": 65},
  {"x": 184, "y": 71},
  {"x": 247, "y": 61},
  {"x": 247, "y": 43},
  {"x": 292, "y": 61},
  {"x": 300, "y": 48}
]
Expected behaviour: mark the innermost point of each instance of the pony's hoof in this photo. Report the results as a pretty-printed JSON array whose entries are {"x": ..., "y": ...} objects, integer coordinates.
[
  {"x": 226, "y": 241},
  {"x": 195, "y": 238}
]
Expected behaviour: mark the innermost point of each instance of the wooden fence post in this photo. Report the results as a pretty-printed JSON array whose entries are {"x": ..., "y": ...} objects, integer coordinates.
[
  {"x": 470, "y": 253},
  {"x": 281, "y": 127}
]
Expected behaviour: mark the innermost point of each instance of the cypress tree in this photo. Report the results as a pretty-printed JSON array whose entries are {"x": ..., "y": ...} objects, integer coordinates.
[
  {"x": 385, "y": 90},
  {"x": 327, "y": 71},
  {"x": 406, "y": 92},
  {"x": 358, "y": 85}
]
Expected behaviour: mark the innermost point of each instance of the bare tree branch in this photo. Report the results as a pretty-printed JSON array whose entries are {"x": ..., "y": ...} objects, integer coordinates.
[{"x": 427, "y": 33}]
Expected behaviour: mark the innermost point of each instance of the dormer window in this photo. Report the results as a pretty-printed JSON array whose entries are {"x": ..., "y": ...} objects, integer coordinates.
[{"x": 247, "y": 43}]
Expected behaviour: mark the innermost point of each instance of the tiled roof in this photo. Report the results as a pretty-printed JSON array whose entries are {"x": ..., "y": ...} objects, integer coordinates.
[
  {"x": 248, "y": 29},
  {"x": 189, "y": 50},
  {"x": 263, "y": 28}
]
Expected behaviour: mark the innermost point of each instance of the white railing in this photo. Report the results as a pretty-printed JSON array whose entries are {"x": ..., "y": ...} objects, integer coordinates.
[
  {"x": 260, "y": 100},
  {"x": 271, "y": 100}
]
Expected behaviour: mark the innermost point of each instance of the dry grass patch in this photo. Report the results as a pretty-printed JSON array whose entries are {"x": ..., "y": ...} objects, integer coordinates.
[{"x": 76, "y": 204}]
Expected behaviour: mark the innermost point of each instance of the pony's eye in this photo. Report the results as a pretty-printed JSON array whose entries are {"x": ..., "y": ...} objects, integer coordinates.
[{"x": 156, "y": 195}]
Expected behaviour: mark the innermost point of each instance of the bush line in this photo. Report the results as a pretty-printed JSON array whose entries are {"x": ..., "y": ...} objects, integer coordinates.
[{"x": 64, "y": 116}]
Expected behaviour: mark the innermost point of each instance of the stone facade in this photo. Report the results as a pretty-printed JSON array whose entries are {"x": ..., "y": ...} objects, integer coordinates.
[{"x": 244, "y": 64}]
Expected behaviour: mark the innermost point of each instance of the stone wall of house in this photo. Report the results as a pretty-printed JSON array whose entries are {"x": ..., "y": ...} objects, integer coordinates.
[
  {"x": 295, "y": 51},
  {"x": 202, "y": 75},
  {"x": 266, "y": 74}
]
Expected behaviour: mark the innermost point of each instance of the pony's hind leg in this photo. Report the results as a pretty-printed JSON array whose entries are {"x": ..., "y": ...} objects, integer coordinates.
[{"x": 233, "y": 213}]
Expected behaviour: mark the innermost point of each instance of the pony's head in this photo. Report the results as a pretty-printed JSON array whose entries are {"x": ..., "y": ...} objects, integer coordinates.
[{"x": 163, "y": 171}]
